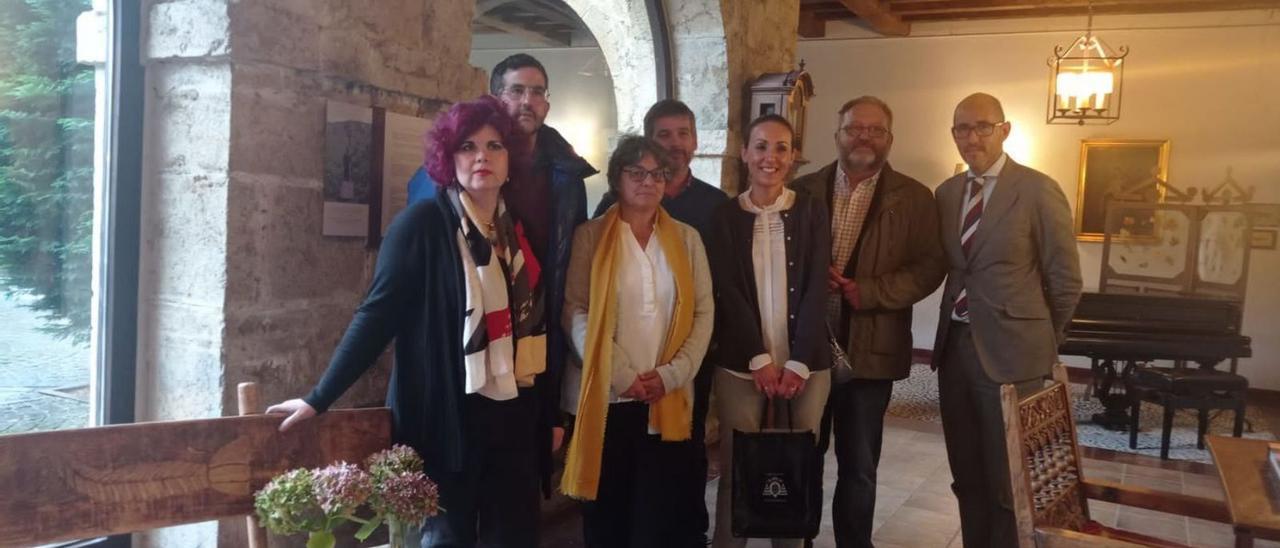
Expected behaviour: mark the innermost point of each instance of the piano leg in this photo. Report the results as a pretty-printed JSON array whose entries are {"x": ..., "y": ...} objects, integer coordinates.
[
  {"x": 1135, "y": 410},
  {"x": 1116, "y": 417}
]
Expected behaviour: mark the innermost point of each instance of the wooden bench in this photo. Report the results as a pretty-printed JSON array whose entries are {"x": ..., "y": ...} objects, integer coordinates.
[{"x": 73, "y": 484}]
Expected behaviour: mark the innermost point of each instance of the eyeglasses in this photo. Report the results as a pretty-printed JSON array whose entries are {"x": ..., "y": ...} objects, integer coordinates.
[
  {"x": 875, "y": 132},
  {"x": 638, "y": 174},
  {"x": 983, "y": 129},
  {"x": 517, "y": 92}
]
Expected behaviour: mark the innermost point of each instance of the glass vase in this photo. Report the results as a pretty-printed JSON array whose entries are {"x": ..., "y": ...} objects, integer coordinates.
[{"x": 400, "y": 535}]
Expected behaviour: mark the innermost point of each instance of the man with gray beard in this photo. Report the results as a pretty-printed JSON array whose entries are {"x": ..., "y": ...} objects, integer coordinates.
[{"x": 885, "y": 257}]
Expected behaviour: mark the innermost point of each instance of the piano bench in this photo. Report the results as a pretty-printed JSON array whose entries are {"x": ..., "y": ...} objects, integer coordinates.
[
  {"x": 1182, "y": 380},
  {"x": 1182, "y": 388}
]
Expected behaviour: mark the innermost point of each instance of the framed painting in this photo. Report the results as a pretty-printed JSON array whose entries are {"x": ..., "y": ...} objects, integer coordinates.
[
  {"x": 1262, "y": 238},
  {"x": 1108, "y": 165}
]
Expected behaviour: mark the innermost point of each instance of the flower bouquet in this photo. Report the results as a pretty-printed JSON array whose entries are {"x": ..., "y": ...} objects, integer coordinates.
[{"x": 392, "y": 486}]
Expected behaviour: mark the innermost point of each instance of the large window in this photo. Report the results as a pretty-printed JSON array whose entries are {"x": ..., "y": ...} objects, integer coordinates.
[{"x": 61, "y": 252}]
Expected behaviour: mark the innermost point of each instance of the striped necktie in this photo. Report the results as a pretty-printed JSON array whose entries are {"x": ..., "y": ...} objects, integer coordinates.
[{"x": 972, "y": 215}]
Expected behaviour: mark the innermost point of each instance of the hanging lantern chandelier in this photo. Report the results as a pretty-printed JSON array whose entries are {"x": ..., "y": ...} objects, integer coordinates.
[{"x": 1085, "y": 80}]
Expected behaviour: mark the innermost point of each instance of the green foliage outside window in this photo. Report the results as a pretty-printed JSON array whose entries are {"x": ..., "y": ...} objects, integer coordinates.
[{"x": 46, "y": 162}]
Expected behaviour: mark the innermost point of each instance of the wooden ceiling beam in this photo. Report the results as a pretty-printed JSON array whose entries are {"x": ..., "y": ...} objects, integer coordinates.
[
  {"x": 549, "y": 13},
  {"x": 899, "y": 5},
  {"x": 927, "y": 10},
  {"x": 909, "y": 7},
  {"x": 485, "y": 6},
  {"x": 823, "y": 6},
  {"x": 811, "y": 25},
  {"x": 1056, "y": 11},
  {"x": 878, "y": 14},
  {"x": 827, "y": 10},
  {"x": 517, "y": 30},
  {"x": 558, "y": 7}
]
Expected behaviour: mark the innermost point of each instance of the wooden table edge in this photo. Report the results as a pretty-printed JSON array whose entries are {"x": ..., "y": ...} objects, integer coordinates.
[
  {"x": 1222, "y": 480},
  {"x": 1255, "y": 530}
]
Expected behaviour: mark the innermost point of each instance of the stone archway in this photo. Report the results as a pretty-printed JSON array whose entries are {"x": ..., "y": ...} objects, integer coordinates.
[
  {"x": 712, "y": 60},
  {"x": 699, "y": 62},
  {"x": 621, "y": 27}
]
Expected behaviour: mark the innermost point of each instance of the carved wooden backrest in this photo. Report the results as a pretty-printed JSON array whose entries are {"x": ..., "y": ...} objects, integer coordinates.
[
  {"x": 1044, "y": 459},
  {"x": 73, "y": 484}
]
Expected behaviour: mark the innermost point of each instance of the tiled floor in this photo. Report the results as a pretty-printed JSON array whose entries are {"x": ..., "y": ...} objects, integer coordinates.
[{"x": 915, "y": 506}]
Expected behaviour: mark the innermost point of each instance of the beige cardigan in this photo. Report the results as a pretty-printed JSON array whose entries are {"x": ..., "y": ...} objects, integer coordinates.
[{"x": 574, "y": 317}]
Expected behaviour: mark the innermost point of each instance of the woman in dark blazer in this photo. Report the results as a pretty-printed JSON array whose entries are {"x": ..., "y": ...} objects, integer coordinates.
[
  {"x": 458, "y": 289},
  {"x": 769, "y": 255}
]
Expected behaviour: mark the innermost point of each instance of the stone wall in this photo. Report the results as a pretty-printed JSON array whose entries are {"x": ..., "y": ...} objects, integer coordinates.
[{"x": 237, "y": 282}]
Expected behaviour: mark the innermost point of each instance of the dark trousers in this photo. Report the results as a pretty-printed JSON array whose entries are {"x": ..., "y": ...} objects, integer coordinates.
[
  {"x": 697, "y": 488},
  {"x": 493, "y": 500},
  {"x": 854, "y": 418},
  {"x": 639, "y": 503},
  {"x": 973, "y": 424}
]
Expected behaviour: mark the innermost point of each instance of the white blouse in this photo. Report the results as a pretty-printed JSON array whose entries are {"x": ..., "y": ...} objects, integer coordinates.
[
  {"x": 646, "y": 299},
  {"x": 769, "y": 260}
]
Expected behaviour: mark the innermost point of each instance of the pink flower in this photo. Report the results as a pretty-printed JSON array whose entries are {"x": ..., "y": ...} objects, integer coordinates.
[
  {"x": 341, "y": 488},
  {"x": 408, "y": 497},
  {"x": 400, "y": 458}
]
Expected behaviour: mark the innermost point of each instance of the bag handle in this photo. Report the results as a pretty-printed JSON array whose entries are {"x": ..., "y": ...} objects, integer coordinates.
[{"x": 766, "y": 416}]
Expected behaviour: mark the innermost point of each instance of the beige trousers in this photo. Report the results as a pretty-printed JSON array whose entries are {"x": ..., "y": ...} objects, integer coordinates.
[{"x": 739, "y": 406}]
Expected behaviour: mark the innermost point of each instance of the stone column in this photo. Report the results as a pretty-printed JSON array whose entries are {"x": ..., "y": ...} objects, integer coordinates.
[
  {"x": 719, "y": 47},
  {"x": 761, "y": 38},
  {"x": 237, "y": 282}
]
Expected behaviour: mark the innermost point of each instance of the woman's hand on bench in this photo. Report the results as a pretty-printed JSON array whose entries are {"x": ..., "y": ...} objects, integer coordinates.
[{"x": 297, "y": 410}]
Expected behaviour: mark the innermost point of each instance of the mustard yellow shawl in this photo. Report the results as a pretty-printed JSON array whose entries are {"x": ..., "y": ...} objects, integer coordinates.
[{"x": 672, "y": 415}]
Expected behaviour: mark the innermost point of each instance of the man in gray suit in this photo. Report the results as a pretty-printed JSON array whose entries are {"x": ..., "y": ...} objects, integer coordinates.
[{"x": 1013, "y": 283}]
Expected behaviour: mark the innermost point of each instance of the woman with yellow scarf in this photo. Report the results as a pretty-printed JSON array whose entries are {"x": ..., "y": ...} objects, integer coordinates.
[{"x": 639, "y": 309}]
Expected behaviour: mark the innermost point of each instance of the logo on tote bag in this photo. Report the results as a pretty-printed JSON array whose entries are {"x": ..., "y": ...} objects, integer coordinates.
[{"x": 775, "y": 488}]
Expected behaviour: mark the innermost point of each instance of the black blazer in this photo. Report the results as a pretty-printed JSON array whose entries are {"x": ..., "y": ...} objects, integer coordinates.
[
  {"x": 808, "y": 243},
  {"x": 417, "y": 299}
]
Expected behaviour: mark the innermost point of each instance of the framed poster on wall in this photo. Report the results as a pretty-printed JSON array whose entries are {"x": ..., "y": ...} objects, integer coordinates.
[{"x": 348, "y": 169}]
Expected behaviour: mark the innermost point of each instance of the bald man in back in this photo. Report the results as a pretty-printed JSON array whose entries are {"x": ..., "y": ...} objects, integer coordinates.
[{"x": 1012, "y": 285}]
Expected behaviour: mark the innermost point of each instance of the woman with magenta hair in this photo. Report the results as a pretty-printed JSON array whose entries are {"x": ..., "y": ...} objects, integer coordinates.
[{"x": 459, "y": 290}]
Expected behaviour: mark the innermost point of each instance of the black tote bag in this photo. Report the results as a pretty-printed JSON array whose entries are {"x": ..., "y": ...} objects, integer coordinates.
[{"x": 776, "y": 483}]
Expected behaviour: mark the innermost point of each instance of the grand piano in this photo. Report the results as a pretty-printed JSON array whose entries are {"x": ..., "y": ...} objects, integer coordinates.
[{"x": 1118, "y": 330}]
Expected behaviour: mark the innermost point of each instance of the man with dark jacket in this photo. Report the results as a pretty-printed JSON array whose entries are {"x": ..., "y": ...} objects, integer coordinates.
[
  {"x": 689, "y": 200},
  {"x": 885, "y": 257},
  {"x": 551, "y": 204}
]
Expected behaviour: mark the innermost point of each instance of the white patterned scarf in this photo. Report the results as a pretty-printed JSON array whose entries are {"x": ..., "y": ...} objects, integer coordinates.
[{"x": 503, "y": 351}]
